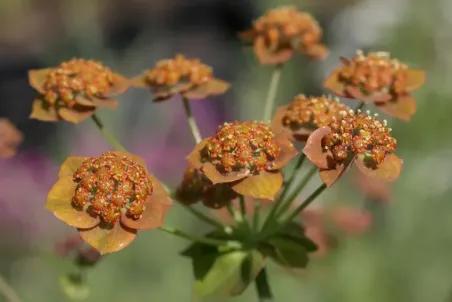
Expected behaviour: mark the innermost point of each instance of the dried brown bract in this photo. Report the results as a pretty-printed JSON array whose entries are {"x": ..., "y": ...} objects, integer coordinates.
[
  {"x": 281, "y": 32},
  {"x": 378, "y": 78},
  {"x": 74, "y": 90},
  {"x": 187, "y": 77}
]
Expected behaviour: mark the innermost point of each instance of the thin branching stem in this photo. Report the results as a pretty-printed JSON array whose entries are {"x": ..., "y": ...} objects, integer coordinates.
[
  {"x": 281, "y": 197},
  {"x": 191, "y": 121},
  {"x": 108, "y": 136},
  {"x": 194, "y": 238},
  {"x": 8, "y": 291},
  {"x": 302, "y": 206},
  {"x": 263, "y": 287},
  {"x": 287, "y": 203},
  {"x": 272, "y": 90}
]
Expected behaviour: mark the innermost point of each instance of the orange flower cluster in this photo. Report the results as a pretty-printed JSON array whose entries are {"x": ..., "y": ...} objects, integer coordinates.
[
  {"x": 108, "y": 198},
  {"x": 305, "y": 114},
  {"x": 237, "y": 146},
  {"x": 245, "y": 154},
  {"x": 195, "y": 187},
  {"x": 354, "y": 137},
  {"x": 187, "y": 77},
  {"x": 378, "y": 78},
  {"x": 73, "y": 90},
  {"x": 110, "y": 185},
  {"x": 359, "y": 134},
  {"x": 10, "y": 138},
  {"x": 281, "y": 32}
]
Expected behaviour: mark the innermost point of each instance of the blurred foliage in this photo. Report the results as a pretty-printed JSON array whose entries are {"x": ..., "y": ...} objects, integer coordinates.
[{"x": 406, "y": 257}]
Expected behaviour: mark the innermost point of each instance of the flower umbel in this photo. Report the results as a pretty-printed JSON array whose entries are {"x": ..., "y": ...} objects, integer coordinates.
[
  {"x": 378, "y": 78},
  {"x": 188, "y": 77},
  {"x": 305, "y": 114},
  {"x": 195, "y": 187},
  {"x": 10, "y": 138},
  {"x": 281, "y": 32},
  {"x": 108, "y": 198},
  {"x": 73, "y": 90},
  {"x": 356, "y": 138},
  {"x": 245, "y": 154}
]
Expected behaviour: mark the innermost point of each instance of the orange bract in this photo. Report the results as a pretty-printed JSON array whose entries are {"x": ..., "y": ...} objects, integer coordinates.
[
  {"x": 305, "y": 114},
  {"x": 187, "y": 77},
  {"x": 378, "y": 78},
  {"x": 356, "y": 138},
  {"x": 73, "y": 90},
  {"x": 281, "y": 32},
  {"x": 247, "y": 155},
  {"x": 108, "y": 198},
  {"x": 10, "y": 138},
  {"x": 195, "y": 187}
]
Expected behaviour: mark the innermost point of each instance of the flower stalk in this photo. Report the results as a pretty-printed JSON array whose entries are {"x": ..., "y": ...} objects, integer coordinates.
[
  {"x": 108, "y": 136},
  {"x": 273, "y": 89},
  {"x": 194, "y": 238},
  {"x": 263, "y": 287},
  {"x": 191, "y": 121},
  {"x": 8, "y": 292}
]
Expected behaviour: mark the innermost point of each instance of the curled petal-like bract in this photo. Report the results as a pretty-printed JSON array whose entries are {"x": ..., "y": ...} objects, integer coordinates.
[
  {"x": 70, "y": 165},
  {"x": 39, "y": 113},
  {"x": 210, "y": 88},
  {"x": 314, "y": 151},
  {"x": 74, "y": 116},
  {"x": 388, "y": 171},
  {"x": 108, "y": 239},
  {"x": 37, "y": 78},
  {"x": 157, "y": 205},
  {"x": 316, "y": 51},
  {"x": 268, "y": 57},
  {"x": 331, "y": 175},
  {"x": 59, "y": 202},
  {"x": 333, "y": 84},
  {"x": 215, "y": 176},
  {"x": 403, "y": 108},
  {"x": 416, "y": 79},
  {"x": 194, "y": 158},
  {"x": 264, "y": 185},
  {"x": 286, "y": 153}
]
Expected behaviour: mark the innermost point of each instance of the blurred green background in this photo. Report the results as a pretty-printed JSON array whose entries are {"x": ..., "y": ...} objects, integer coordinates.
[{"x": 406, "y": 256}]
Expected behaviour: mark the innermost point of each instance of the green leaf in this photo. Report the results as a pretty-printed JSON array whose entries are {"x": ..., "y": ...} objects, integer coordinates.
[
  {"x": 74, "y": 287},
  {"x": 295, "y": 231},
  {"x": 290, "y": 247},
  {"x": 226, "y": 274},
  {"x": 223, "y": 273}
]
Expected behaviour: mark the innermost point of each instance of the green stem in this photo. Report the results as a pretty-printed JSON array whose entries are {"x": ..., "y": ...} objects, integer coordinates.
[
  {"x": 108, "y": 136},
  {"x": 287, "y": 203},
  {"x": 194, "y": 238},
  {"x": 257, "y": 215},
  {"x": 263, "y": 287},
  {"x": 8, "y": 291},
  {"x": 302, "y": 206},
  {"x": 281, "y": 197},
  {"x": 191, "y": 121},
  {"x": 271, "y": 96},
  {"x": 243, "y": 213},
  {"x": 237, "y": 218},
  {"x": 203, "y": 217}
]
